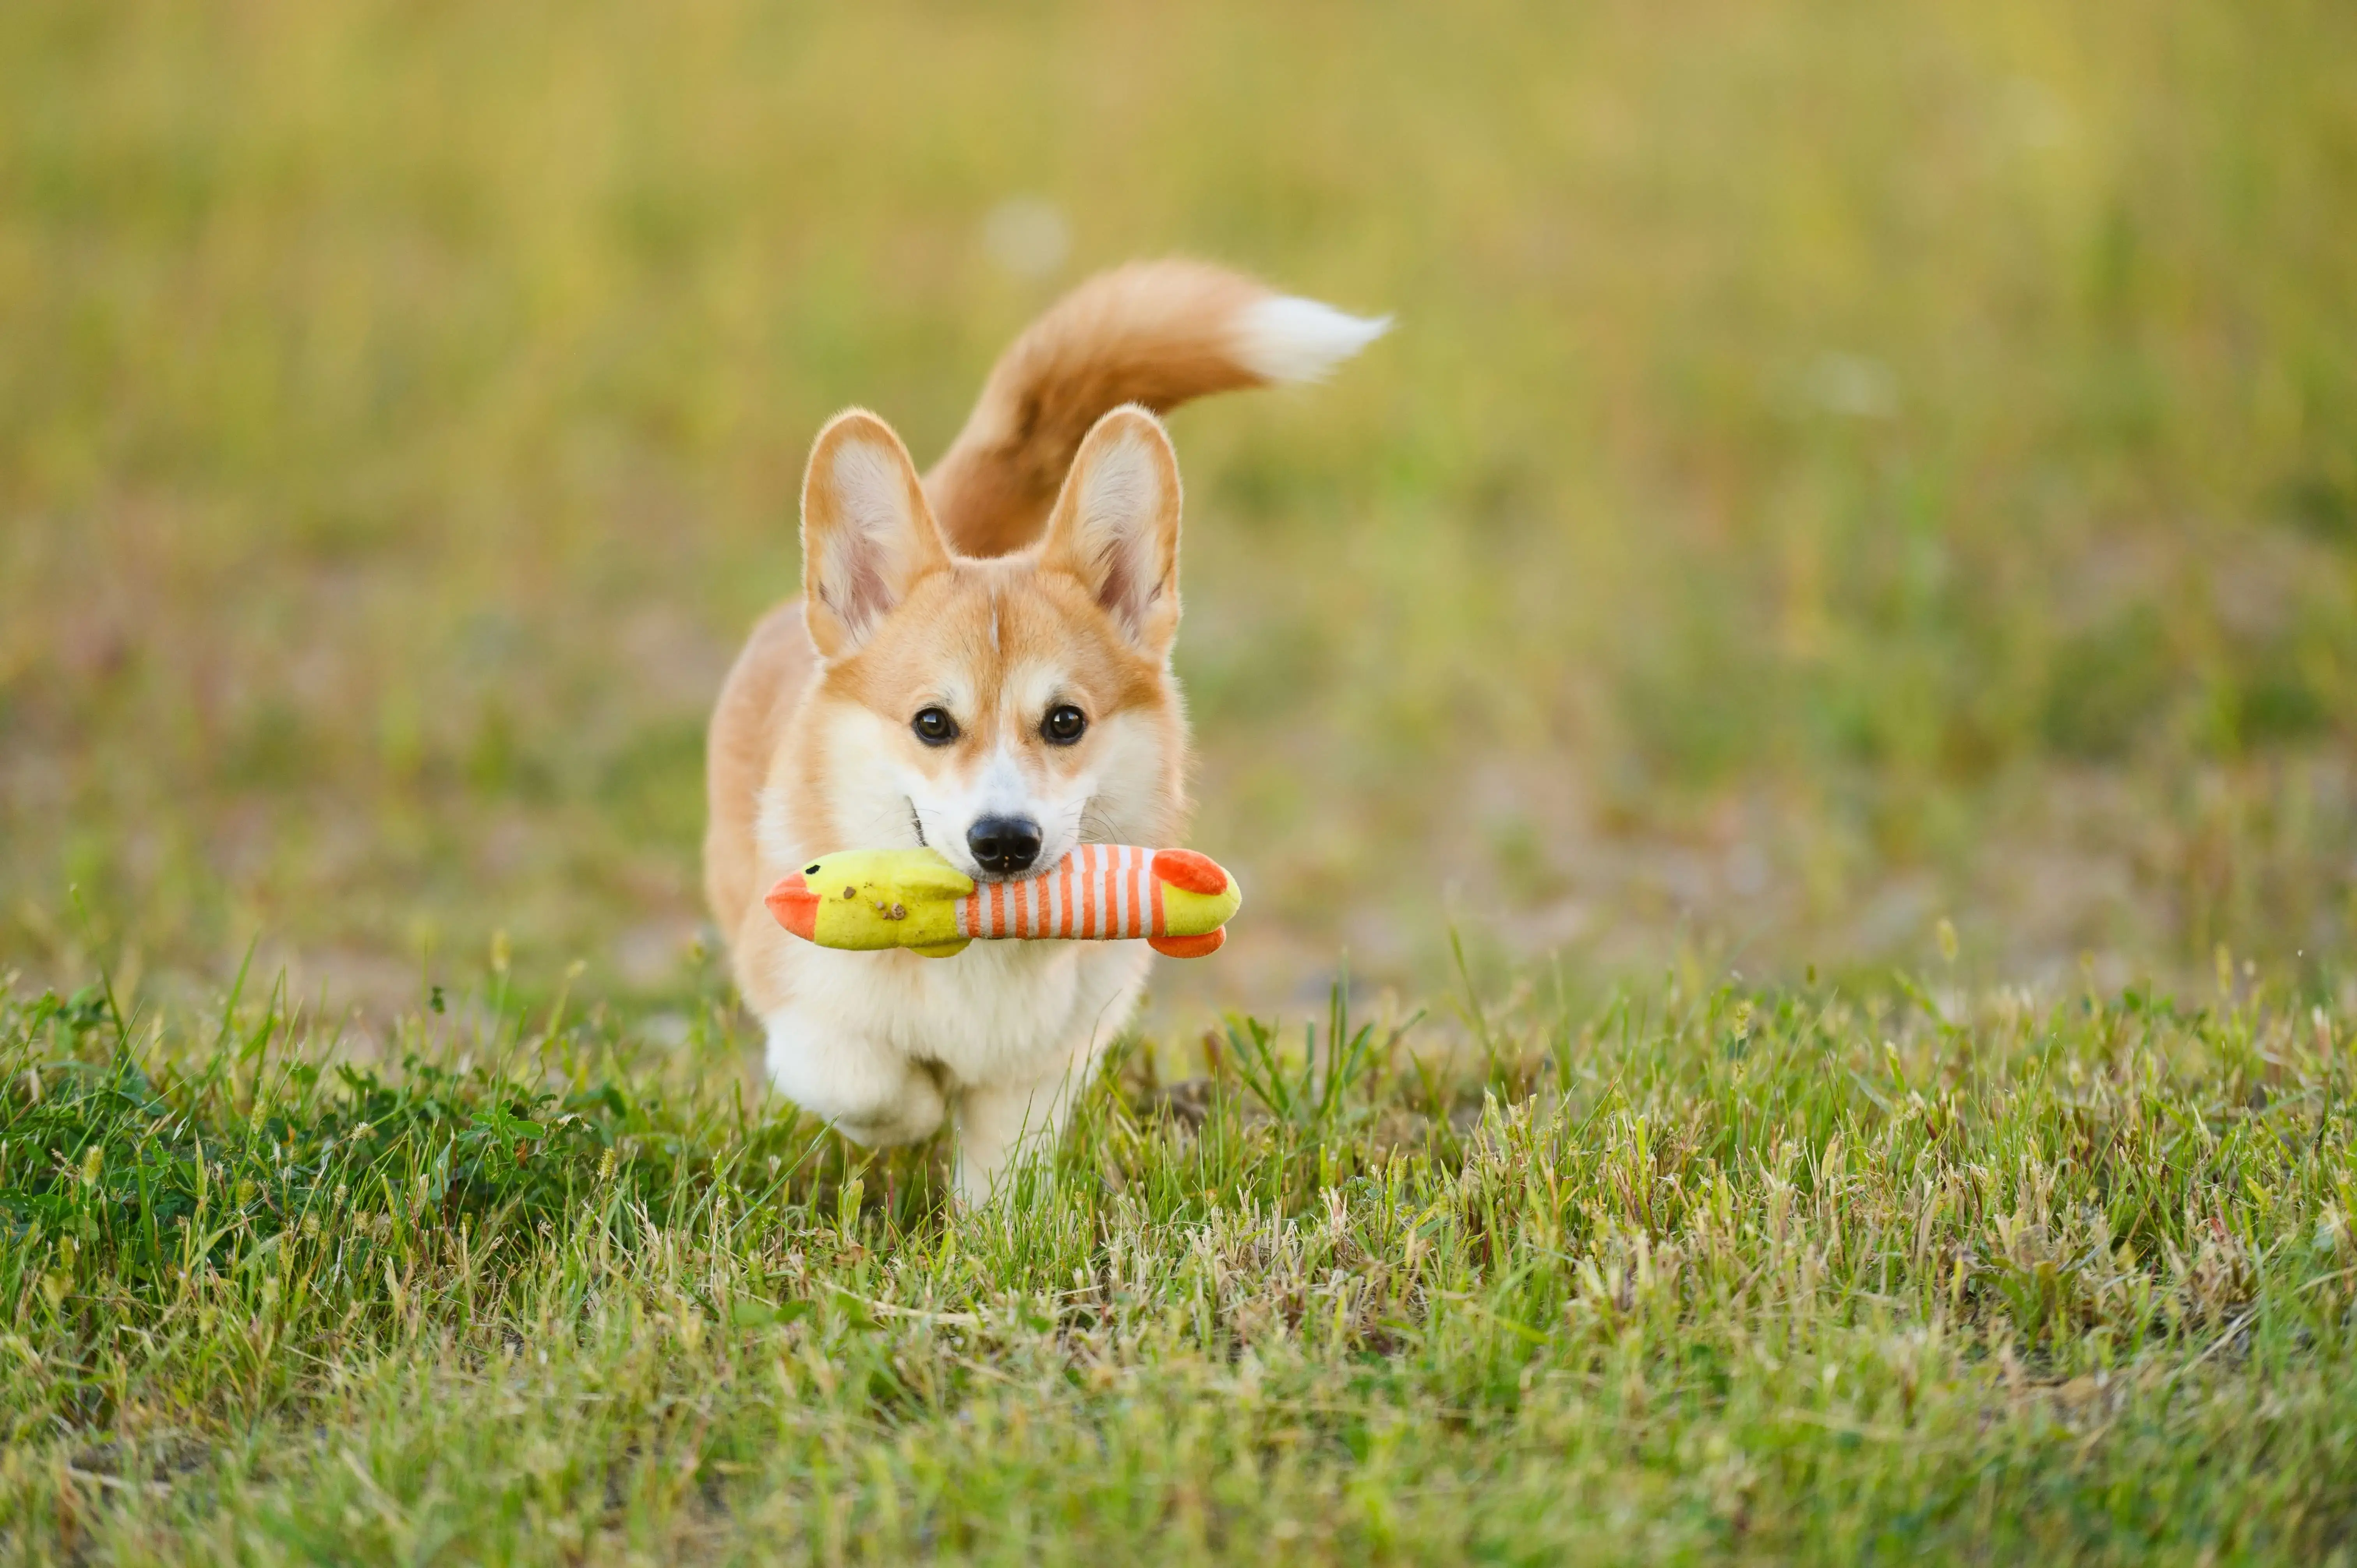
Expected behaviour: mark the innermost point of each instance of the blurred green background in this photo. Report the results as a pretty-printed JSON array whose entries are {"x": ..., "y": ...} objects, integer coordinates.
[{"x": 1840, "y": 466}]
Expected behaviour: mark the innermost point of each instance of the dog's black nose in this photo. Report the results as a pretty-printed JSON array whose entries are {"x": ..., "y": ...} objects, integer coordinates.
[{"x": 1006, "y": 845}]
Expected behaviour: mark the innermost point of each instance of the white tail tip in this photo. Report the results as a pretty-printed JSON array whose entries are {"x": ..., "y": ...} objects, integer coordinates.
[{"x": 1288, "y": 338}]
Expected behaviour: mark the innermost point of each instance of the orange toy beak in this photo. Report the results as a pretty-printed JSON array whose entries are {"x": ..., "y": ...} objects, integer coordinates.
[{"x": 795, "y": 905}]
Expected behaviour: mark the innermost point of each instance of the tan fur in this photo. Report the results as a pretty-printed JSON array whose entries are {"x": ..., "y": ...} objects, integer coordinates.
[
  {"x": 947, "y": 592},
  {"x": 980, "y": 618},
  {"x": 1152, "y": 333},
  {"x": 763, "y": 687}
]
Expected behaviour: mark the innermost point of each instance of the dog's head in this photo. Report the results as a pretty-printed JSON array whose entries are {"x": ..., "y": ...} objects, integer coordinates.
[{"x": 1001, "y": 710}]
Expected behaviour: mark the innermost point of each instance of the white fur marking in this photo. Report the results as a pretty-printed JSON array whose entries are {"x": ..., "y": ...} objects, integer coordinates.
[
  {"x": 868, "y": 482},
  {"x": 1121, "y": 490},
  {"x": 1289, "y": 338}
]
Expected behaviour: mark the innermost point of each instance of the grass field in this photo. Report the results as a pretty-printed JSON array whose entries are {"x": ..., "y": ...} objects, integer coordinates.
[
  {"x": 1823, "y": 649},
  {"x": 1701, "y": 1275}
]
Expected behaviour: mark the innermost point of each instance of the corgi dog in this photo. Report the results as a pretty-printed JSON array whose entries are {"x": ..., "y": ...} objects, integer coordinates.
[{"x": 980, "y": 662}]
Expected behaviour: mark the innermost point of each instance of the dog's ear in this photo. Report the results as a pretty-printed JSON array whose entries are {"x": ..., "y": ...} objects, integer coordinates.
[
  {"x": 1116, "y": 526},
  {"x": 867, "y": 535}
]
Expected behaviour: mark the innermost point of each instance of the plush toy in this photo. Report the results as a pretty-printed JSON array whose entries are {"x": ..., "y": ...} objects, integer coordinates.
[{"x": 871, "y": 898}]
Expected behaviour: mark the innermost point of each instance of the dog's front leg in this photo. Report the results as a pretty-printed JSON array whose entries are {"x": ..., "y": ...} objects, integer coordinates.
[
  {"x": 870, "y": 1094},
  {"x": 1004, "y": 1122},
  {"x": 1003, "y": 1127}
]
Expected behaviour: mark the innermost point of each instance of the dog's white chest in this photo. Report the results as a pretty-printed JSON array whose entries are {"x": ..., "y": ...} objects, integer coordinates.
[{"x": 999, "y": 1010}]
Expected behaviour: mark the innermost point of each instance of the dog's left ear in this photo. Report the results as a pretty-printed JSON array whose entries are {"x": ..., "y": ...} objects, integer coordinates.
[{"x": 1116, "y": 526}]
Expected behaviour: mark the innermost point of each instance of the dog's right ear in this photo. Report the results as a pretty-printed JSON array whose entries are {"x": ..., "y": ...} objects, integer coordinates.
[
  {"x": 1116, "y": 526},
  {"x": 867, "y": 535}
]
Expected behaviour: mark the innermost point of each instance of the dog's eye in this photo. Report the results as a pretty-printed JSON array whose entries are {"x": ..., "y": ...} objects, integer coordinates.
[
  {"x": 935, "y": 728},
  {"x": 1063, "y": 725}
]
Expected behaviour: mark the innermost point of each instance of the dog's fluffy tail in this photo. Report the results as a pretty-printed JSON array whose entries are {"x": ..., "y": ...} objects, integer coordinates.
[{"x": 1156, "y": 333}]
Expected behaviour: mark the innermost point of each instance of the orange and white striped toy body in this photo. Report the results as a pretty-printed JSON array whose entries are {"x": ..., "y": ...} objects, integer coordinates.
[
  {"x": 1099, "y": 891},
  {"x": 1175, "y": 899}
]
